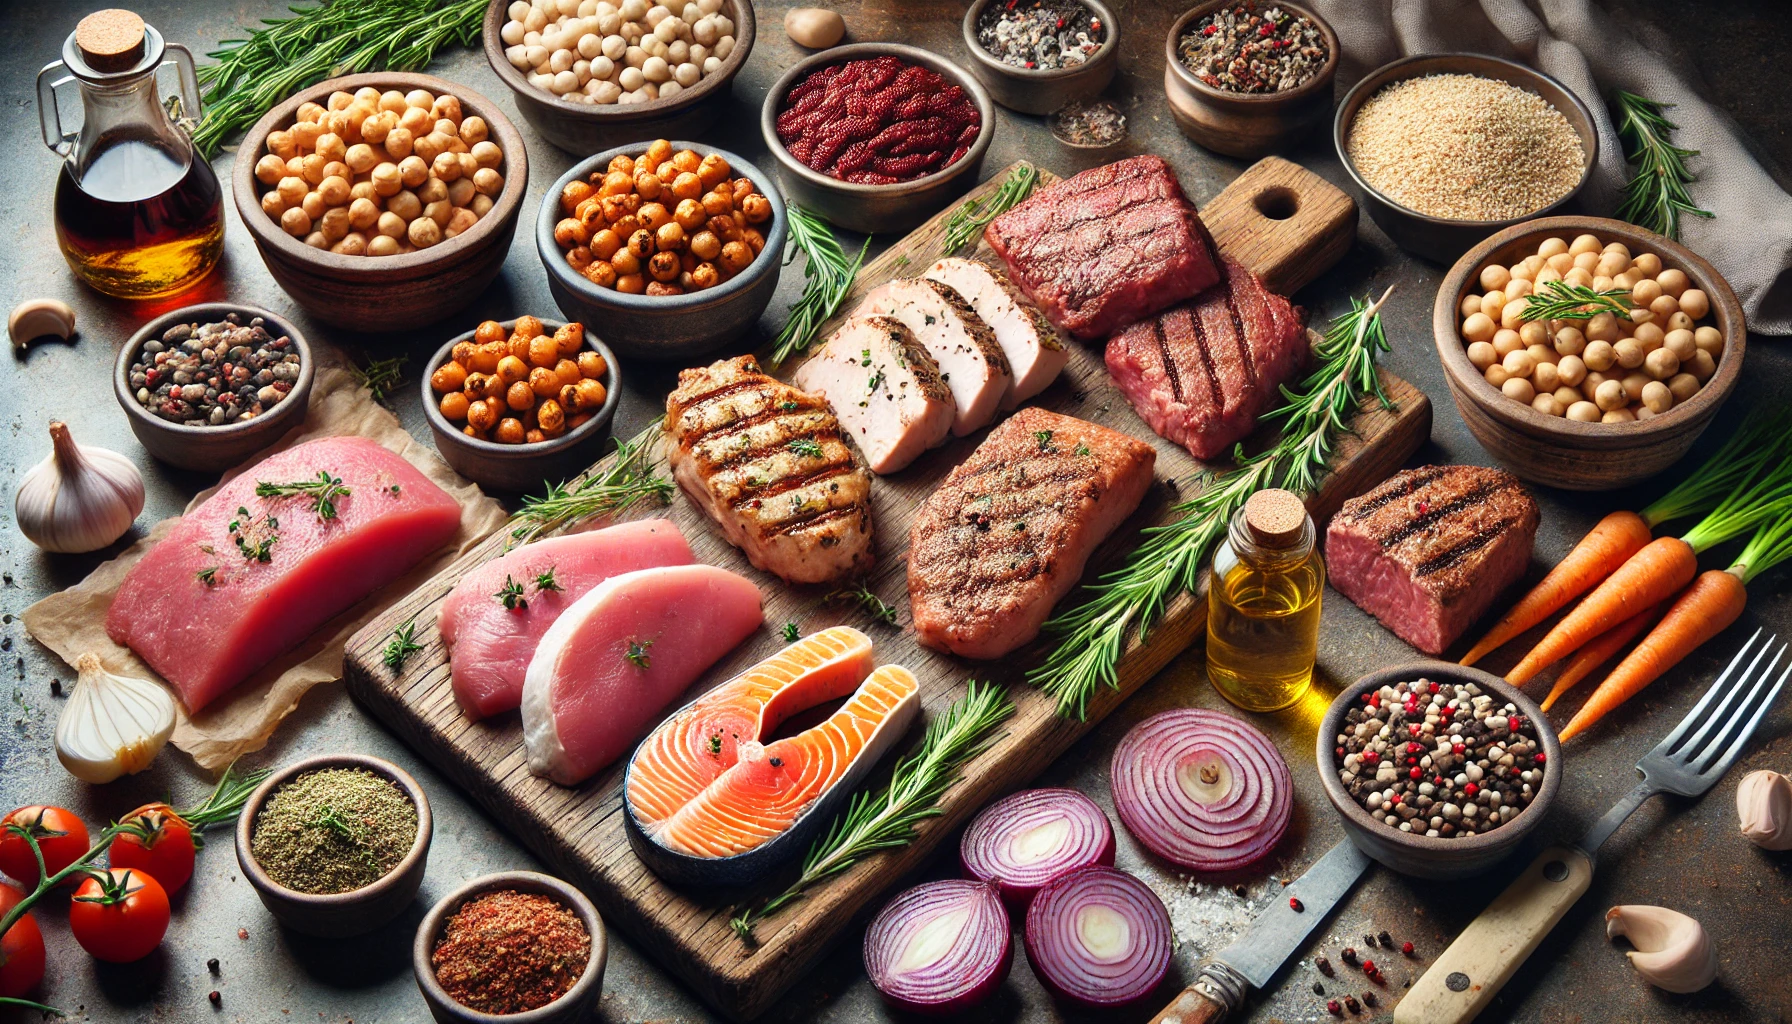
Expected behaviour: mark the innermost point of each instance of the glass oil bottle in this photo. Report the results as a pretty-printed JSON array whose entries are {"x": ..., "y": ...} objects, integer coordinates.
[
  {"x": 1263, "y": 604},
  {"x": 139, "y": 213}
]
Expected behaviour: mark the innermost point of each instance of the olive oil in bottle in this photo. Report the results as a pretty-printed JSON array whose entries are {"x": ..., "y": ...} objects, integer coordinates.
[{"x": 1263, "y": 604}]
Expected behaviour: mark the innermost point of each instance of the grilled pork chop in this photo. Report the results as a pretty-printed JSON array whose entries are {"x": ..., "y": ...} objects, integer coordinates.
[
  {"x": 1034, "y": 349},
  {"x": 1428, "y": 550},
  {"x": 1009, "y": 531},
  {"x": 767, "y": 462},
  {"x": 969, "y": 357},
  {"x": 885, "y": 388}
]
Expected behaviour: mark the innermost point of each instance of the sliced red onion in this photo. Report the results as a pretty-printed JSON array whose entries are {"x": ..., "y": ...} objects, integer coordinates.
[
  {"x": 1023, "y": 841},
  {"x": 940, "y": 947},
  {"x": 1099, "y": 938},
  {"x": 1202, "y": 789}
]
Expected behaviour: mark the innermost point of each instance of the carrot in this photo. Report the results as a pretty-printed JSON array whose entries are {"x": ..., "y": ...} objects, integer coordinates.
[
  {"x": 1618, "y": 536},
  {"x": 1649, "y": 577},
  {"x": 1600, "y": 651}
]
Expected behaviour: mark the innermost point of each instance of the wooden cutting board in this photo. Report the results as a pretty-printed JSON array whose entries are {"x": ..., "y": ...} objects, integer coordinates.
[{"x": 1286, "y": 223}]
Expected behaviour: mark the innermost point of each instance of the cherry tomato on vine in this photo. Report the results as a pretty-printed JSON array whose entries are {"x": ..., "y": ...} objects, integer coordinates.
[
  {"x": 21, "y": 949},
  {"x": 120, "y": 919},
  {"x": 60, "y": 835},
  {"x": 156, "y": 839}
]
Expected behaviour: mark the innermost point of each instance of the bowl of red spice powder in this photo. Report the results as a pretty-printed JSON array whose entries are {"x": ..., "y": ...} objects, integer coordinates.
[
  {"x": 877, "y": 137},
  {"x": 517, "y": 946}
]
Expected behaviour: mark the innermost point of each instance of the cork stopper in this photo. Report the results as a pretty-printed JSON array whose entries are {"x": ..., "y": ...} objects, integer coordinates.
[
  {"x": 1276, "y": 518},
  {"x": 110, "y": 40}
]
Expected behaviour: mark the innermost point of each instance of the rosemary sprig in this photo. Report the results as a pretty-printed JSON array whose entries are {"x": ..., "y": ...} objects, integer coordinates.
[
  {"x": 380, "y": 377},
  {"x": 862, "y": 596},
  {"x": 402, "y": 645},
  {"x": 886, "y": 819},
  {"x": 322, "y": 491},
  {"x": 628, "y": 481},
  {"x": 968, "y": 221},
  {"x": 1656, "y": 197},
  {"x": 1559, "y": 300},
  {"x": 827, "y": 275},
  {"x": 1091, "y": 636}
]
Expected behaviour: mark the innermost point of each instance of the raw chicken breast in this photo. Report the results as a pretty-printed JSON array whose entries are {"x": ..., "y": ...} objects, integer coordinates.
[
  {"x": 1035, "y": 351},
  {"x": 885, "y": 390},
  {"x": 970, "y": 360}
]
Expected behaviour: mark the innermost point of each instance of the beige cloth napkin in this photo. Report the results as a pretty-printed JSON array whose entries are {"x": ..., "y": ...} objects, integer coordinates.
[
  {"x": 1750, "y": 239},
  {"x": 74, "y": 621}
]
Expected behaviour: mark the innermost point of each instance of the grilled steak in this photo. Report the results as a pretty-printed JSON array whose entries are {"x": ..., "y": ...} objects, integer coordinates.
[
  {"x": 884, "y": 387},
  {"x": 1430, "y": 549},
  {"x": 1109, "y": 246},
  {"x": 970, "y": 360},
  {"x": 767, "y": 462},
  {"x": 1008, "y": 532},
  {"x": 1202, "y": 372},
  {"x": 1035, "y": 351}
]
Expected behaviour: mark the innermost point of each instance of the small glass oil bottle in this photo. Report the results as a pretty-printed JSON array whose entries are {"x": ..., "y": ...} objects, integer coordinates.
[{"x": 1263, "y": 604}]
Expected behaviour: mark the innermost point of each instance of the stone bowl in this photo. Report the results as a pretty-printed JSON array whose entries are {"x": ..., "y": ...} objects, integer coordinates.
[
  {"x": 1246, "y": 125},
  {"x": 1033, "y": 91}
]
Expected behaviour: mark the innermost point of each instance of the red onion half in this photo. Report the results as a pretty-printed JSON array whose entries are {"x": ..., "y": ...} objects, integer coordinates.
[
  {"x": 1202, "y": 789},
  {"x": 1023, "y": 841},
  {"x": 940, "y": 947},
  {"x": 1099, "y": 938}
]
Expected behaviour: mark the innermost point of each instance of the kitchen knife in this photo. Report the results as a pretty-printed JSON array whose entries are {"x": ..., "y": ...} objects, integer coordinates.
[{"x": 1268, "y": 942}]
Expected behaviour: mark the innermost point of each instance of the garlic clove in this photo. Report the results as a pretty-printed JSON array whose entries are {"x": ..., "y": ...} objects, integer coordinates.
[
  {"x": 78, "y": 499},
  {"x": 113, "y": 725},
  {"x": 1764, "y": 802},
  {"x": 1672, "y": 952},
  {"x": 36, "y": 318}
]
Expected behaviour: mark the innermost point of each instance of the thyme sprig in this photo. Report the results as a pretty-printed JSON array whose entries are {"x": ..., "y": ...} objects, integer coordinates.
[
  {"x": 1657, "y": 196},
  {"x": 1091, "y": 636},
  {"x": 380, "y": 377},
  {"x": 1559, "y": 300},
  {"x": 886, "y": 818},
  {"x": 510, "y": 595},
  {"x": 402, "y": 645},
  {"x": 322, "y": 491},
  {"x": 629, "y": 481},
  {"x": 969, "y": 220},
  {"x": 827, "y": 276},
  {"x": 862, "y": 596}
]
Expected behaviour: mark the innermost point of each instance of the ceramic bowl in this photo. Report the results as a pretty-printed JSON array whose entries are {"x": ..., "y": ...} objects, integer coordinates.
[
  {"x": 1440, "y": 238},
  {"x": 876, "y": 208},
  {"x": 1418, "y": 854},
  {"x": 212, "y": 449},
  {"x": 375, "y": 293},
  {"x": 578, "y": 1002},
  {"x": 337, "y": 915},
  {"x": 581, "y": 128},
  {"x": 1033, "y": 91},
  {"x": 1247, "y": 125},
  {"x": 1560, "y": 452},
  {"x": 665, "y": 326},
  {"x": 522, "y": 467}
]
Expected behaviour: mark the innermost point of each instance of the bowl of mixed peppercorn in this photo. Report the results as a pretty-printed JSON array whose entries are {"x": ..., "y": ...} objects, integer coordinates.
[
  {"x": 1439, "y": 771},
  {"x": 1034, "y": 56},
  {"x": 516, "y": 946},
  {"x": 1250, "y": 77}
]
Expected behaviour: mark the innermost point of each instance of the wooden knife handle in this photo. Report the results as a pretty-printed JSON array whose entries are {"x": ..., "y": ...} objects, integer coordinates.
[
  {"x": 1484, "y": 957},
  {"x": 1192, "y": 1007}
]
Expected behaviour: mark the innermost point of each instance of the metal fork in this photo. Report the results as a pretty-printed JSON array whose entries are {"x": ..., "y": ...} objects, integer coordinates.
[{"x": 1687, "y": 763}]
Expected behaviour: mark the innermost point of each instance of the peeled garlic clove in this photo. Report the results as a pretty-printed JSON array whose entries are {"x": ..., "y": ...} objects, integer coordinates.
[
  {"x": 80, "y": 498},
  {"x": 814, "y": 27},
  {"x": 1672, "y": 952},
  {"x": 112, "y": 725},
  {"x": 1764, "y": 802},
  {"x": 36, "y": 318}
]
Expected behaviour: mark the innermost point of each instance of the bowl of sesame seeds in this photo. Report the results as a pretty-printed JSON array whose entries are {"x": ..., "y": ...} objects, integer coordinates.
[
  {"x": 1450, "y": 148},
  {"x": 1438, "y": 770}
]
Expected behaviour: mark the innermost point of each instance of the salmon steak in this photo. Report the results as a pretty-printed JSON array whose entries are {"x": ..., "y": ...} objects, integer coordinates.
[
  {"x": 274, "y": 554},
  {"x": 490, "y": 642},
  {"x": 617, "y": 656}
]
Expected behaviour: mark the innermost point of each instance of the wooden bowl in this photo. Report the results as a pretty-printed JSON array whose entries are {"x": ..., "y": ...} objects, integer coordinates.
[
  {"x": 1033, "y": 91},
  {"x": 373, "y": 293},
  {"x": 1565, "y": 453},
  {"x": 1247, "y": 125},
  {"x": 1420, "y": 855},
  {"x": 522, "y": 467},
  {"x": 664, "y": 327},
  {"x": 871, "y": 209},
  {"x": 578, "y": 1002},
  {"x": 337, "y": 915},
  {"x": 581, "y": 128},
  {"x": 1440, "y": 238},
  {"x": 212, "y": 449}
]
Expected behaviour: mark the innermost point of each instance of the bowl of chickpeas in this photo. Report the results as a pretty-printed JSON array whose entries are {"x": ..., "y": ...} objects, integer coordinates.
[
  {"x": 1586, "y": 353},
  {"x": 674, "y": 247},
  {"x": 518, "y": 402},
  {"x": 382, "y": 201}
]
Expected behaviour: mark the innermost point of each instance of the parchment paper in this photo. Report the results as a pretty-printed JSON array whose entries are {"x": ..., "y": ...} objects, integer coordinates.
[{"x": 74, "y": 621}]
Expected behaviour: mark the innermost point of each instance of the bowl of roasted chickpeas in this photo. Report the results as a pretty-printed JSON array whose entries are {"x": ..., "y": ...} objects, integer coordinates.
[
  {"x": 674, "y": 247},
  {"x": 1587, "y": 353},
  {"x": 519, "y": 402}
]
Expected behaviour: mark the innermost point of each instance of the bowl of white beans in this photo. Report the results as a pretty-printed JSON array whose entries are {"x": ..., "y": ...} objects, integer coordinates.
[
  {"x": 591, "y": 75},
  {"x": 1645, "y": 345}
]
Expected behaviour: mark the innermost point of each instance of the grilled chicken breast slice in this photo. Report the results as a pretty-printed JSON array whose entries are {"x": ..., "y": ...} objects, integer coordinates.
[
  {"x": 884, "y": 387},
  {"x": 970, "y": 359},
  {"x": 1033, "y": 347}
]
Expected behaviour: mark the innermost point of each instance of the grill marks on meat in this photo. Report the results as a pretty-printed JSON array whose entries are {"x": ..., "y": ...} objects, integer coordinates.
[
  {"x": 767, "y": 463},
  {"x": 885, "y": 387},
  {"x": 1035, "y": 352},
  {"x": 1106, "y": 247},
  {"x": 1009, "y": 531},
  {"x": 971, "y": 361}
]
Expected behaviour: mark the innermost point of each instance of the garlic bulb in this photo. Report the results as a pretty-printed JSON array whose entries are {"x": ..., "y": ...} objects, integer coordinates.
[
  {"x": 1672, "y": 952},
  {"x": 113, "y": 725},
  {"x": 1764, "y": 800},
  {"x": 80, "y": 498}
]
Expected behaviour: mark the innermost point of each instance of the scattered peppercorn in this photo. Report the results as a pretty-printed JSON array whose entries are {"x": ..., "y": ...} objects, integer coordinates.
[
  {"x": 1349, "y": 955},
  {"x": 1318, "y": 989},
  {"x": 1387, "y": 941},
  {"x": 1352, "y": 1004},
  {"x": 1370, "y": 998},
  {"x": 55, "y": 687},
  {"x": 212, "y": 965},
  {"x": 1407, "y": 949},
  {"x": 1368, "y": 967},
  {"x": 1294, "y": 901},
  {"x": 215, "y": 997},
  {"x": 1324, "y": 965},
  {"x": 1337, "y": 1010}
]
